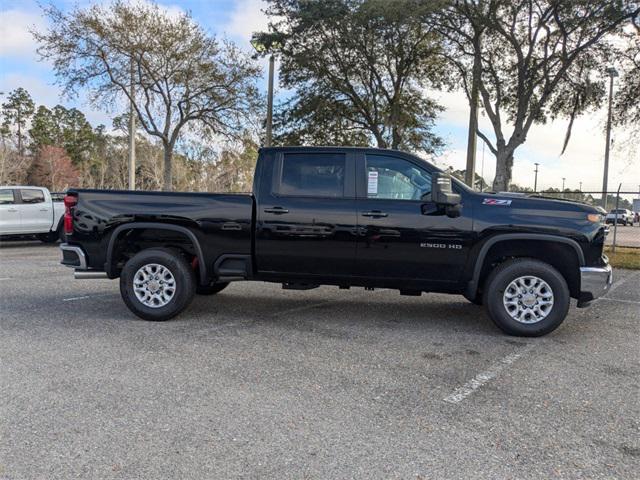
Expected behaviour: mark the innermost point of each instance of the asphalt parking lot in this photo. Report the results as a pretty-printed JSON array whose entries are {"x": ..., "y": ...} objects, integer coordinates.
[{"x": 259, "y": 382}]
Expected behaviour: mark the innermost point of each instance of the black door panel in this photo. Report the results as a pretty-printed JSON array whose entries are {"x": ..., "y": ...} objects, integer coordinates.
[
  {"x": 307, "y": 218},
  {"x": 400, "y": 235}
]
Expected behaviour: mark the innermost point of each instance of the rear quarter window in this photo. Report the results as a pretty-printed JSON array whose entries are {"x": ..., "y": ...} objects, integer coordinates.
[{"x": 6, "y": 197}]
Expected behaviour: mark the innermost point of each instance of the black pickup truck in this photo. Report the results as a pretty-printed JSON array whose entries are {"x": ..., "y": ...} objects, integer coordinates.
[{"x": 349, "y": 217}]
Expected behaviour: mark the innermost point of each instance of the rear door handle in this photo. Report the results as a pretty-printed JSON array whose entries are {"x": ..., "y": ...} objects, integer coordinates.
[
  {"x": 12, "y": 210},
  {"x": 276, "y": 210},
  {"x": 44, "y": 209},
  {"x": 375, "y": 214}
]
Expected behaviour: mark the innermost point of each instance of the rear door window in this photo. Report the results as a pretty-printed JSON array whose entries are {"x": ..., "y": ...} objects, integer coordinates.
[
  {"x": 313, "y": 174},
  {"x": 32, "y": 196}
]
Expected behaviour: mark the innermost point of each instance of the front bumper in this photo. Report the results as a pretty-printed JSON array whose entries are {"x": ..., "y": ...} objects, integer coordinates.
[{"x": 594, "y": 283}]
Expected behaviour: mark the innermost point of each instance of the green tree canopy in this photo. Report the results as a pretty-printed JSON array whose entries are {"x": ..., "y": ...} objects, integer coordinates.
[
  {"x": 16, "y": 113},
  {"x": 62, "y": 127},
  {"x": 358, "y": 69}
]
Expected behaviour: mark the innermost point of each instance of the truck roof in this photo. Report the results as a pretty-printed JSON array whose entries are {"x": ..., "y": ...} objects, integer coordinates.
[{"x": 330, "y": 148}]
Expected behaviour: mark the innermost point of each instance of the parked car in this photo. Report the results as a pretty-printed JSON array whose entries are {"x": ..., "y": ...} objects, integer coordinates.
[
  {"x": 27, "y": 210},
  {"x": 624, "y": 216},
  {"x": 347, "y": 217}
]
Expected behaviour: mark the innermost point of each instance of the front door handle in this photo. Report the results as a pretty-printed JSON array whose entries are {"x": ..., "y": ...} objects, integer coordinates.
[
  {"x": 276, "y": 210},
  {"x": 375, "y": 214},
  {"x": 12, "y": 210},
  {"x": 44, "y": 209}
]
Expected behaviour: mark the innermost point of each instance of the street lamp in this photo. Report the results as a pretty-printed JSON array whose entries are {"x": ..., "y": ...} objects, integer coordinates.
[
  {"x": 261, "y": 48},
  {"x": 612, "y": 72},
  {"x": 535, "y": 182}
]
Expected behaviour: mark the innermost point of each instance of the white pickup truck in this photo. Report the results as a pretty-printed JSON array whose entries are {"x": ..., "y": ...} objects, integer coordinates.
[
  {"x": 30, "y": 211},
  {"x": 623, "y": 216}
]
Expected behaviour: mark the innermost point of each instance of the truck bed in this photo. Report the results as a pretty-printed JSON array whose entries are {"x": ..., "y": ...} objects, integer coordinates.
[{"x": 222, "y": 223}]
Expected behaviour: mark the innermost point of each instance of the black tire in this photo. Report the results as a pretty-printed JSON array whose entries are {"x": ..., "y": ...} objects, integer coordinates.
[
  {"x": 211, "y": 289},
  {"x": 500, "y": 279},
  {"x": 51, "y": 237},
  {"x": 183, "y": 274}
]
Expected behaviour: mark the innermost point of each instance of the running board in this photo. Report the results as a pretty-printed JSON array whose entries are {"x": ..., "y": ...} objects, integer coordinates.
[{"x": 88, "y": 275}]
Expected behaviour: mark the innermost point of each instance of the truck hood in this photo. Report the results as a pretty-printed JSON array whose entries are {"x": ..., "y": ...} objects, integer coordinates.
[{"x": 543, "y": 203}]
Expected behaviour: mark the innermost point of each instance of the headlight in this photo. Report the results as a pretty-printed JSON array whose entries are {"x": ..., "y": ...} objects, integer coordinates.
[{"x": 595, "y": 217}]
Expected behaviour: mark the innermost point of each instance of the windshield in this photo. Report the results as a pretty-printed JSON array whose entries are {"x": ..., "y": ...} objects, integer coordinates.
[{"x": 618, "y": 211}]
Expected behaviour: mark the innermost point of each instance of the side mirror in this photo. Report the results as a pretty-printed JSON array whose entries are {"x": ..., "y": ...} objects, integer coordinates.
[{"x": 441, "y": 190}]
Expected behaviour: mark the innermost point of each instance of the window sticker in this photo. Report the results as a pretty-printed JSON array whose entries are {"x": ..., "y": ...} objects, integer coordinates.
[{"x": 372, "y": 184}]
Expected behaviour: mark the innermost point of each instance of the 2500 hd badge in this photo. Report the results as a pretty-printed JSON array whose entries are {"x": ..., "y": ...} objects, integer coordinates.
[{"x": 441, "y": 245}]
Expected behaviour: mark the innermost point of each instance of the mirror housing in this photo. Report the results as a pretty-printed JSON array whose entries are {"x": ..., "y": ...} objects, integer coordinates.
[{"x": 442, "y": 191}]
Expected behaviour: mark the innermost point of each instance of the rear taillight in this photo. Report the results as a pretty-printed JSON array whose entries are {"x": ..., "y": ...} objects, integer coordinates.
[{"x": 70, "y": 201}]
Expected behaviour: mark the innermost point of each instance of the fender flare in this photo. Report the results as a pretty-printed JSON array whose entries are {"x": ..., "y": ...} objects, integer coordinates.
[
  {"x": 472, "y": 286},
  {"x": 158, "y": 226}
]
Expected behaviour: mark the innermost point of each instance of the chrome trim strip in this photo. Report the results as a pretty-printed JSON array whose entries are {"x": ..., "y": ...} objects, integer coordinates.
[{"x": 82, "y": 258}]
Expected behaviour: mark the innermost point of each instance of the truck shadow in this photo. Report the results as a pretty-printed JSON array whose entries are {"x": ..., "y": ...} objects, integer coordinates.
[
  {"x": 345, "y": 316},
  {"x": 27, "y": 243}
]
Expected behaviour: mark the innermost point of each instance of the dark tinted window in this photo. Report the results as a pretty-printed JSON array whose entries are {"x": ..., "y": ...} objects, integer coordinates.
[
  {"x": 313, "y": 174},
  {"x": 6, "y": 197},
  {"x": 32, "y": 196},
  {"x": 394, "y": 178}
]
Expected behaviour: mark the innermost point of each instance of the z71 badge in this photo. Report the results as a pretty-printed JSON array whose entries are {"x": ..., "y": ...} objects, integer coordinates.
[{"x": 496, "y": 201}]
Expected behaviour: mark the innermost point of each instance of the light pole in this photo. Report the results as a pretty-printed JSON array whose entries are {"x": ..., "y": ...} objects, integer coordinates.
[
  {"x": 132, "y": 132},
  {"x": 580, "y": 187},
  {"x": 535, "y": 181},
  {"x": 563, "y": 179},
  {"x": 612, "y": 73},
  {"x": 270, "y": 101},
  {"x": 262, "y": 48}
]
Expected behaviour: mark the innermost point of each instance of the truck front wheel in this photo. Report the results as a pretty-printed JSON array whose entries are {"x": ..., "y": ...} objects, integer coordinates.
[
  {"x": 526, "y": 297},
  {"x": 157, "y": 284}
]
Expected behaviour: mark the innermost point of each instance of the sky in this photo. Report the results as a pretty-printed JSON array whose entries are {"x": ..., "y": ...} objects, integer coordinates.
[{"x": 237, "y": 19}]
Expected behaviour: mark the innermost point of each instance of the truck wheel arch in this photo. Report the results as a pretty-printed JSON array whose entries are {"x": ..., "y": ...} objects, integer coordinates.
[
  {"x": 479, "y": 266},
  {"x": 155, "y": 226}
]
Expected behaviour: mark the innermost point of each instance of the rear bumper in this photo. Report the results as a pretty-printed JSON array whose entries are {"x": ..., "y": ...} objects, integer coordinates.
[
  {"x": 594, "y": 283},
  {"x": 73, "y": 256}
]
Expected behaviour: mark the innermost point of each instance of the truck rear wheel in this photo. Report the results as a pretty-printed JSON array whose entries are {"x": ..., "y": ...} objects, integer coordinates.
[
  {"x": 157, "y": 284},
  {"x": 526, "y": 297}
]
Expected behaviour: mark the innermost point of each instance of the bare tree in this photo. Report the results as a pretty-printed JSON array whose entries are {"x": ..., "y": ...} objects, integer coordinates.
[
  {"x": 537, "y": 60},
  {"x": 182, "y": 76}
]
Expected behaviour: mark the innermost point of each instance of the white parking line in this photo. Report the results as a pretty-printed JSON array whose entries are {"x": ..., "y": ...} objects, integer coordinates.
[
  {"x": 97, "y": 295},
  {"x": 5, "y": 278},
  {"x": 619, "y": 300},
  {"x": 482, "y": 378},
  {"x": 76, "y": 298}
]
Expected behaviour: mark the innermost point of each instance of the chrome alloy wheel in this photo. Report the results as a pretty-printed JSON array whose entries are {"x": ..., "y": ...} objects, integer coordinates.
[
  {"x": 154, "y": 285},
  {"x": 528, "y": 299}
]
